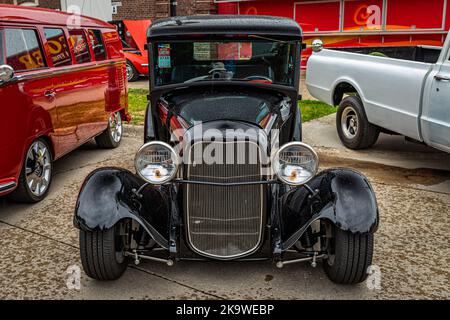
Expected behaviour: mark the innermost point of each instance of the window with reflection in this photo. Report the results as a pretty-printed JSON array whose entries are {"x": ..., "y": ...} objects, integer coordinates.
[
  {"x": 23, "y": 49},
  {"x": 80, "y": 46},
  {"x": 57, "y": 45}
]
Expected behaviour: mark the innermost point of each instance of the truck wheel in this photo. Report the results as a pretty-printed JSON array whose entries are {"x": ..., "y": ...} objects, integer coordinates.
[
  {"x": 36, "y": 175},
  {"x": 132, "y": 74},
  {"x": 349, "y": 256},
  {"x": 102, "y": 254},
  {"x": 112, "y": 136},
  {"x": 354, "y": 130}
]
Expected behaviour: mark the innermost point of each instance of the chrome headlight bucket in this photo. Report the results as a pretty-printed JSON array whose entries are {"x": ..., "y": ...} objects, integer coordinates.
[
  {"x": 295, "y": 163},
  {"x": 156, "y": 162}
]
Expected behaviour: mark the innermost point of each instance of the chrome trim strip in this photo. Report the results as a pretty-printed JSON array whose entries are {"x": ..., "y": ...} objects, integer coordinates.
[
  {"x": 144, "y": 65},
  {"x": 48, "y": 72},
  {"x": 261, "y": 226},
  {"x": 7, "y": 186}
]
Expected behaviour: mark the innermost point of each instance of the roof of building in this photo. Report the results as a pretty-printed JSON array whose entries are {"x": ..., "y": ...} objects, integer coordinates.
[
  {"x": 32, "y": 15},
  {"x": 225, "y": 25}
]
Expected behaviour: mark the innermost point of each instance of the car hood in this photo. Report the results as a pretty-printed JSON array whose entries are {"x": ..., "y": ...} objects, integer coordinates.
[{"x": 255, "y": 107}]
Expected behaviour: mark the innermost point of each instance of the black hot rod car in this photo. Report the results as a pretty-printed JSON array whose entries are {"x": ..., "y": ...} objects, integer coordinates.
[{"x": 223, "y": 173}]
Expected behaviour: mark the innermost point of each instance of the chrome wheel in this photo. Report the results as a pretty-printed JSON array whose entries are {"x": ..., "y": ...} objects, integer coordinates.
[
  {"x": 130, "y": 72},
  {"x": 38, "y": 168},
  {"x": 115, "y": 126},
  {"x": 349, "y": 122}
]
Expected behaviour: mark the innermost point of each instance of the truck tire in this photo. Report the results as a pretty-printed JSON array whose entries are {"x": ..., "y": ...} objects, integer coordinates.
[
  {"x": 353, "y": 128},
  {"x": 101, "y": 255},
  {"x": 112, "y": 136},
  {"x": 36, "y": 174},
  {"x": 349, "y": 257}
]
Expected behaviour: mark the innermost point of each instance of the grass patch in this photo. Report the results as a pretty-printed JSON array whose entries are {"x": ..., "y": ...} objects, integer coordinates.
[
  {"x": 137, "y": 103},
  {"x": 315, "y": 109}
]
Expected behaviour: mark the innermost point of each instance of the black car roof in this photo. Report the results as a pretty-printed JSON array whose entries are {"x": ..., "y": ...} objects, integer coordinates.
[{"x": 212, "y": 25}]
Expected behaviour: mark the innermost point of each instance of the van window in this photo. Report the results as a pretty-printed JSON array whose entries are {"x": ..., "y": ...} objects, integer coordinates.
[
  {"x": 97, "y": 45},
  {"x": 23, "y": 50},
  {"x": 59, "y": 50},
  {"x": 80, "y": 47}
]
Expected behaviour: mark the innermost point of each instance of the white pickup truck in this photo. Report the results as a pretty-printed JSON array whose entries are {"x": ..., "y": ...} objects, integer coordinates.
[{"x": 394, "y": 90}]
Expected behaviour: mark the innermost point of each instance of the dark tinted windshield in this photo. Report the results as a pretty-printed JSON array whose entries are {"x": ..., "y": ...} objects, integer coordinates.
[{"x": 258, "y": 61}]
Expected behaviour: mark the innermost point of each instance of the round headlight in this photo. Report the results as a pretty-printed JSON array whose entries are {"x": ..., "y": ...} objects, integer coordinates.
[
  {"x": 295, "y": 163},
  {"x": 156, "y": 162}
]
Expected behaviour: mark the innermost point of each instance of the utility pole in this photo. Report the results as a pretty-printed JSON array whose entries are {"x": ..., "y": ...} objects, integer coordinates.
[{"x": 173, "y": 8}]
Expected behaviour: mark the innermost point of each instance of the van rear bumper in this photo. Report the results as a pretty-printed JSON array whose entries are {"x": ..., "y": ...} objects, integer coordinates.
[{"x": 7, "y": 185}]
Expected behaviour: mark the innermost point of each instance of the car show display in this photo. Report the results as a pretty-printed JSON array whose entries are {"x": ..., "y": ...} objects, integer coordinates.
[{"x": 223, "y": 173}]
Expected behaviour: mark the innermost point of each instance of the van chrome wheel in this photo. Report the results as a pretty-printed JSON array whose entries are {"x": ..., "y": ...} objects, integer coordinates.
[
  {"x": 349, "y": 122},
  {"x": 112, "y": 136},
  {"x": 115, "y": 126},
  {"x": 38, "y": 168}
]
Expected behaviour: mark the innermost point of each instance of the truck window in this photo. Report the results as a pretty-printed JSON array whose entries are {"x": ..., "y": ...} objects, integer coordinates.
[
  {"x": 57, "y": 44},
  {"x": 97, "y": 44},
  {"x": 23, "y": 50},
  {"x": 80, "y": 46}
]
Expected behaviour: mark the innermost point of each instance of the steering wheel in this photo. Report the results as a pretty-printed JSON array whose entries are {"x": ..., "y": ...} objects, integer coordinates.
[{"x": 258, "y": 78}]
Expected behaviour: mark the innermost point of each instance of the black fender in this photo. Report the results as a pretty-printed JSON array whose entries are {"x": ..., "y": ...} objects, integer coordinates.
[
  {"x": 107, "y": 196},
  {"x": 344, "y": 197}
]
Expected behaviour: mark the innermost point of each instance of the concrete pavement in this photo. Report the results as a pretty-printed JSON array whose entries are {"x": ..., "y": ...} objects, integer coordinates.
[{"x": 38, "y": 243}]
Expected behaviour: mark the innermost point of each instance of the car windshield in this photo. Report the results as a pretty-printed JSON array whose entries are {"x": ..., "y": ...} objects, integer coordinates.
[{"x": 263, "y": 61}]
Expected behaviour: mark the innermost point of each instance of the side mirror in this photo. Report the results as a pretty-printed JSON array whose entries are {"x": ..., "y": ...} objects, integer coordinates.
[
  {"x": 317, "y": 45},
  {"x": 6, "y": 73}
]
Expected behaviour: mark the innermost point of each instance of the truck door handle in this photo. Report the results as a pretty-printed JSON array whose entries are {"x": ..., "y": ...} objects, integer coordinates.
[
  {"x": 50, "y": 94},
  {"x": 442, "y": 78}
]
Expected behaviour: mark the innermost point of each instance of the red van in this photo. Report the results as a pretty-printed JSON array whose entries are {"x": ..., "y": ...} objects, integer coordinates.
[{"x": 60, "y": 86}]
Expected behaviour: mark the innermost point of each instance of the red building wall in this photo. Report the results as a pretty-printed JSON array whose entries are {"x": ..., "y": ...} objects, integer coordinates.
[{"x": 341, "y": 23}]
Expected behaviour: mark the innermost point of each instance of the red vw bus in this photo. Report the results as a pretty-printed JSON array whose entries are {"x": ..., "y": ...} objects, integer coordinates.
[{"x": 61, "y": 84}]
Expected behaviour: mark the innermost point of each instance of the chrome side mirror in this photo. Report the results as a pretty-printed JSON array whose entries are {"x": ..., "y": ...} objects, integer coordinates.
[
  {"x": 6, "y": 73},
  {"x": 317, "y": 45}
]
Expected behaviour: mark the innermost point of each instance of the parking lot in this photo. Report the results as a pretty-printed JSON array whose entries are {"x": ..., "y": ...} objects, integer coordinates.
[{"x": 38, "y": 243}]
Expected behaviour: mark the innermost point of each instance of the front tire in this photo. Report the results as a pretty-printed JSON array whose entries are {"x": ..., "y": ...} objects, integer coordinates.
[
  {"x": 36, "y": 175},
  {"x": 112, "y": 136},
  {"x": 132, "y": 74},
  {"x": 102, "y": 254},
  {"x": 354, "y": 130},
  {"x": 349, "y": 256}
]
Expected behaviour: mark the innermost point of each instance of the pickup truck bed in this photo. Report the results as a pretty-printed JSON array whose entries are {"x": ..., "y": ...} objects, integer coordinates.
[{"x": 427, "y": 54}]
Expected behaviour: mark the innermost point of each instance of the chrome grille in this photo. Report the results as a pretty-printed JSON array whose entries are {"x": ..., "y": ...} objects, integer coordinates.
[{"x": 225, "y": 221}]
